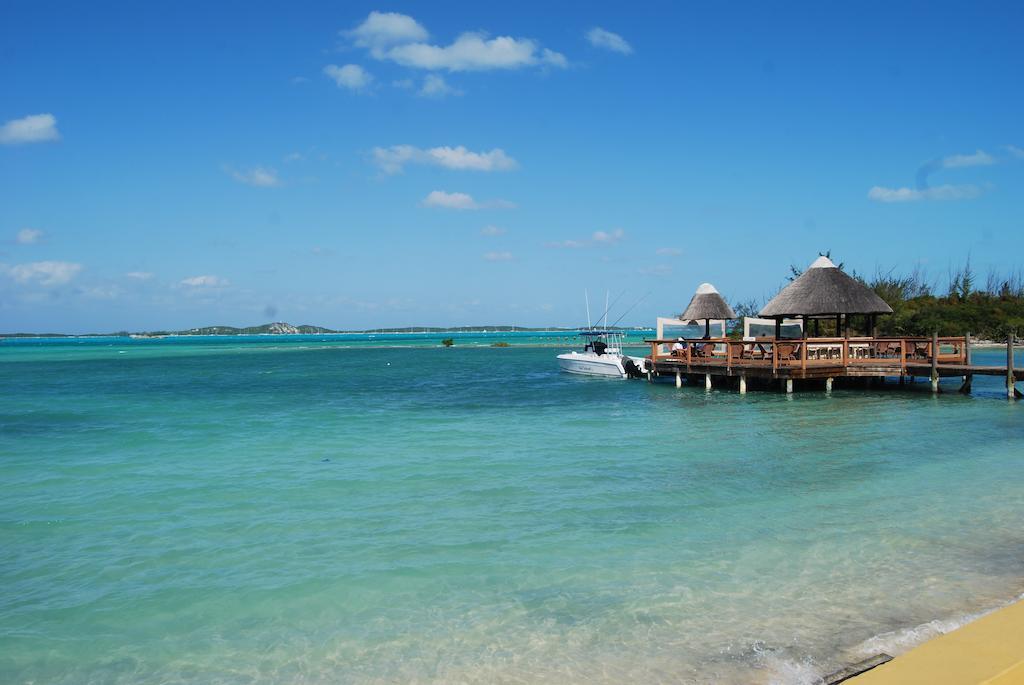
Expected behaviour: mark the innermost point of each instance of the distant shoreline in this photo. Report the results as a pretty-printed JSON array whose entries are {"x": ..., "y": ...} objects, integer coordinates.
[{"x": 375, "y": 332}]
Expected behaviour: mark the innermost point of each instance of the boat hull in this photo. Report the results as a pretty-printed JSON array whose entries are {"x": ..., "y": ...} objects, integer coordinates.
[{"x": 592, "y": 365}]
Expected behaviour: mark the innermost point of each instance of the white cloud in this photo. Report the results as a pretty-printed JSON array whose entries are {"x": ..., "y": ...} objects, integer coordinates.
[
  {"x": 979, "y": 158},
  {"x": 461, "y": 158},
  {"x": 1015, "y": 151},
  {"x": 27, "y": 236},
  {"x": 669, "y": 251},
  {"x": 35, "y": 128},
  {"x": 474, "y": 51},
  {"x": 256, "y": 176},
  {"x": 492, "y": 230},
  {"x": 139, "y": 275},
  {"x": 568, "y": 244},
  {"x": 943, "y": 192},
  {"x": 608, "y": 237},
  {"x": 351, "y": 76},
  {"x": 607, "y": 40},
  {"x": 439, "y": 198},
  {"x": 383, "y": 29},
  {"x": 404, "y": 83},
  {"x": 596, "y": 238},
  {"x": 498, "y": 256},
  {"x": 204, "y": 282},
  {"x": 44, "y": 273},
  {"x": 100, "y": 292},
  {"x": 435, "y": 86},
  {"x": 393, "y": 159}
]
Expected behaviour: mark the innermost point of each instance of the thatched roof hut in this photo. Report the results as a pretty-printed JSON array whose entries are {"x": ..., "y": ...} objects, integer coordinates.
[
  {"x": 824, "y": 291},
  {"x": 707, "y": 304}
]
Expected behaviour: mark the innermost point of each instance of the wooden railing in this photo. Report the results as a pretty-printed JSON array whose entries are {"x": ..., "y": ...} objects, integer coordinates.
[{"x": 811, "y": 352}]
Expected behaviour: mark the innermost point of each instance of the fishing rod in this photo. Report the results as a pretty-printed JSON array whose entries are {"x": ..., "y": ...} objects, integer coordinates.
[
  {"x": 608, "y": 308},
  {"x": 630, "y": 309}
]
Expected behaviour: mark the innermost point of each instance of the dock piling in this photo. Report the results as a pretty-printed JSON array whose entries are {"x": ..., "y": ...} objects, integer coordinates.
[
  {"x": 828, "y": 385},
  {"x": 789, "y": 386},
  {"x": 1011, "y": 380},
  {"x": 935, "y": 361},
  {"x": 965, "y": 388},
  {"x": 743, "y": 384},
  {"x": 679, "y": 379},
  {"x": 707, "y": 381}
]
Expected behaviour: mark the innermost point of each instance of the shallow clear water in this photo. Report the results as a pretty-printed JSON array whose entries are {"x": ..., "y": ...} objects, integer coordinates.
[{"x": 279, "y": 512}]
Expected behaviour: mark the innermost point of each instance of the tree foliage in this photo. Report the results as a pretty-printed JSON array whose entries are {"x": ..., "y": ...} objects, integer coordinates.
[{"x": 989, "y": 312}]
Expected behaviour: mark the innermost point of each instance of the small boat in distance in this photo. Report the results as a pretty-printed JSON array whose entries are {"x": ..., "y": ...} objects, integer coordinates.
[{"x": 602, "y": 356}]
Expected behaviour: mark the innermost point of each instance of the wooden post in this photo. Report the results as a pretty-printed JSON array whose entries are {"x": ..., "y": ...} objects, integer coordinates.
[
  {"x": 828, "y": 385},
  {"x": 707, "y": 381},
  {"x": 679, "y": 379},
  {"x": 743, "y": 384},
  {"x": 965, "y": 387},
  {"x": 789, "y": 386},
  {"x": 778, "y": 328},
  {"x": 1011, "y": 381},
  {"x": 935, "y": 361},
  {"x": 654, "y": 361},
  {"x": 839, "y": 325}
]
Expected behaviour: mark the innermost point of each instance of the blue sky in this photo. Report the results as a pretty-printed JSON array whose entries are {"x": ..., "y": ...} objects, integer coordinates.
[{"x": 354, "y": 165}]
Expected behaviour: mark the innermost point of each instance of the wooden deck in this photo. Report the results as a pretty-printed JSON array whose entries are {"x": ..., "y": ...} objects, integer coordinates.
[{"x": 827, "y": 359}]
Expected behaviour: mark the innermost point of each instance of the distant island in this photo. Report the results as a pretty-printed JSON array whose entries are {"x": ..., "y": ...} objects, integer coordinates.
[{"x": 282, "y": 328}]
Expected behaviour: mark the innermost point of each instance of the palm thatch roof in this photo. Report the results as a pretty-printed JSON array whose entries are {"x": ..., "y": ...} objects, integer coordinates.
[
  {"x": 825, "y": 290},
  {"x": 707, "y": 304}
]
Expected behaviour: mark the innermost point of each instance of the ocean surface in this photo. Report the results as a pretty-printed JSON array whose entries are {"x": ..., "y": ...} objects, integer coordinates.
[{"x": 324, "y": 509}]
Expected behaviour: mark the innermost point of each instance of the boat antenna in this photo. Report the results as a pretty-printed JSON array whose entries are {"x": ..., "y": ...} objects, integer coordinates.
[
  {"x": 631, "y": 307},
  {"x": 586, "y": 297},
  {"x": 606, "y": 293}
]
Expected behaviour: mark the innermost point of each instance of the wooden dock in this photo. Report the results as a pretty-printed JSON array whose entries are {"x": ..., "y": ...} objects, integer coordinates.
[{"x": 775, "y": 362}]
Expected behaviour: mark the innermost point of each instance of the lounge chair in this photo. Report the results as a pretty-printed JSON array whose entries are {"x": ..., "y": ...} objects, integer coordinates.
[
  {"x": 918, "y": 350},
  {"x": 704, "y": 350},
  {"x": 789, "y": 351},
  {"x": 738, "y": 353},
  {"x": 887, "y": 349}
]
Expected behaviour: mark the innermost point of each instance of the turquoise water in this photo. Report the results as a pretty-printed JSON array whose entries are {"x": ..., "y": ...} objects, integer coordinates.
[{"x": 278, "y": 511}]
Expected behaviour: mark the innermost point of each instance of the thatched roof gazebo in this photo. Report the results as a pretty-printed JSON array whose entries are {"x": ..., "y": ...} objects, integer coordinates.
[
  {"x": 707, "y": 304},
  {"x": 825, "y": 292}
]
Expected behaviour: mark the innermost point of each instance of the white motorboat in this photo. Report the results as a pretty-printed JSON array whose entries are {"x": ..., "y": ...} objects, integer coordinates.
[{"x": 602, "y": 356}]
